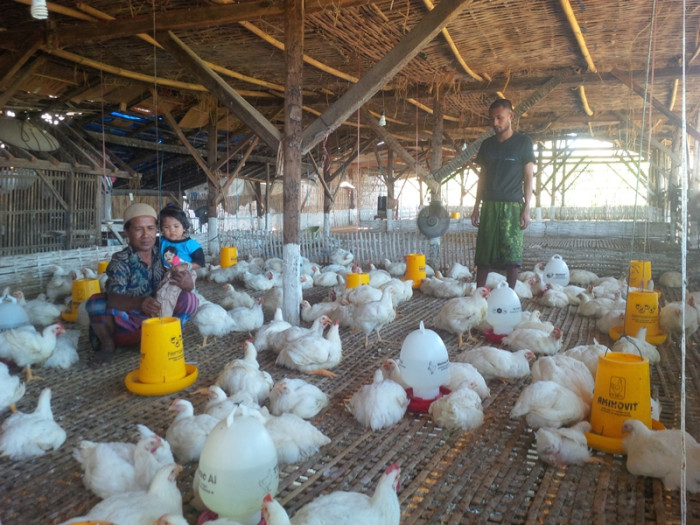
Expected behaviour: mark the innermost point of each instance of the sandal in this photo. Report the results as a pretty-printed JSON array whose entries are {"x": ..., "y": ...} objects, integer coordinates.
[{"x": 101, "y": 359}]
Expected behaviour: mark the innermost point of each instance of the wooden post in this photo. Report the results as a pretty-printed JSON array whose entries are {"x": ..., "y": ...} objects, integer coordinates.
[
  {"x": 293, "y": 54},
  {"x": 436, "y": 164},
  {"x": 390, "y": 191}
]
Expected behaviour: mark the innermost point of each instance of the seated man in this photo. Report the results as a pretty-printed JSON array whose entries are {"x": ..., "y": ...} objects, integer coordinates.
[{"x": 133, "y": 277}]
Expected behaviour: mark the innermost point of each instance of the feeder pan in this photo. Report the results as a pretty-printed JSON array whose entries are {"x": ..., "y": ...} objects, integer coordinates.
[
  {"x": 415, "y": 269},
  {"x": 82, "y": 290},
  {"x": 228, "y": 256},
  {"x": 613, "y": 445},
  {"x": 102, "y": 267},
  {"x": 163, "y": 369},
  {"x": 654, "y": 338},
  {"x": 493, "y": 337},
  {"x": 418, "y": 404}
]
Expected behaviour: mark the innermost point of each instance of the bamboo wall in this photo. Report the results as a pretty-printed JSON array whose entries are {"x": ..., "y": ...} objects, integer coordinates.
[{"x": 47, "y": 210}]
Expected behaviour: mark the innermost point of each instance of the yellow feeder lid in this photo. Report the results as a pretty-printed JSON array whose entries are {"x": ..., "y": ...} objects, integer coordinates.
[{"x": 160, "y": 389}]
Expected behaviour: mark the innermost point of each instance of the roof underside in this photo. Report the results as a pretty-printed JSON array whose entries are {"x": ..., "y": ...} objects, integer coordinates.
[{"x": 115, "y": 79}]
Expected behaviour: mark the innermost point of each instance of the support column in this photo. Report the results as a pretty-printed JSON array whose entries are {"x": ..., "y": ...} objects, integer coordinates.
[
  {"x": 212, "y": 191},
  {"x": 294, "y": 49}
]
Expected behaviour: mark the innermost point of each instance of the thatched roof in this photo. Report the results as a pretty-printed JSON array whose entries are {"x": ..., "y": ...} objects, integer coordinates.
[{"x": 574, "y": 66}]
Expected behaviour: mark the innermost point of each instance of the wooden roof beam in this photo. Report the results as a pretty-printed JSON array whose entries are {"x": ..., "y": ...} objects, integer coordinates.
[
  {"x": 571, "y": 17},
  {"x": 224, "y": 93},
  {"x": 407, "y": 48}
]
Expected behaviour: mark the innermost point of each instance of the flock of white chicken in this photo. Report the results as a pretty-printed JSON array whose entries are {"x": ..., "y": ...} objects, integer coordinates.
[{"x": 556, "y": 402}]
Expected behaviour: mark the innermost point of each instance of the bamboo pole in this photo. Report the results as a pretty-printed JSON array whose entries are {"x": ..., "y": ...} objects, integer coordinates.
[
  {"x": 584, "y": 101},
  {"x": 566, "y": 6}
]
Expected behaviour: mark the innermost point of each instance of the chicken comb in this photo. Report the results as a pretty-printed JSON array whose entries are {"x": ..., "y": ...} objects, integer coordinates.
[
  {"x": 268, "y": 497},
  {"x": 392, "y": 468}
]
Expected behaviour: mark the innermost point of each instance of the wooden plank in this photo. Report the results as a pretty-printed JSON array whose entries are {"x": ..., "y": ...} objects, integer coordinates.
[
  {"x": 224, "y": 93},
  {"x": 383, "y": 71}
]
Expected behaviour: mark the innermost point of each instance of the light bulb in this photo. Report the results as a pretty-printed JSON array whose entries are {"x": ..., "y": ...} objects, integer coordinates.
[
  {"x": 382, "y": 119},
  {"x": 39, "y": 10}
]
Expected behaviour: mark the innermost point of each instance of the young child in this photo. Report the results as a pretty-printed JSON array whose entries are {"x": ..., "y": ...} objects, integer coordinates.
[{"x": 179, "y": 252}]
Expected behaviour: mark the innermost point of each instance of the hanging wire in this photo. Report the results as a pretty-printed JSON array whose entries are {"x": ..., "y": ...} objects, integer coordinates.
[
  {"x": 159, "y": 163},
  {"x": 684, "y": 242},
  {"x": 641, "y": 139}
]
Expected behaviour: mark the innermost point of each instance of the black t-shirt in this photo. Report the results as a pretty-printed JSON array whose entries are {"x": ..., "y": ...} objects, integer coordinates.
[{"x": 503, "y": 165}]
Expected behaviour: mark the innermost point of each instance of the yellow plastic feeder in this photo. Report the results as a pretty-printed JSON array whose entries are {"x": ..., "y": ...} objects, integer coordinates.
[
  {"x": 353, "y": 279},
  {"x": 639, "y": 274},
  {"x": 455, "y": 215},
  {"x": 622, "y": 391},
  {"x": 102, "y": 267},
  {"x": 228, "y": 256},
  {"x": 415, "y": 269},
  {"x": 641, "y": 311},
  {"x": 163, "y": 369},
  {"x": 81, "y": 292}
]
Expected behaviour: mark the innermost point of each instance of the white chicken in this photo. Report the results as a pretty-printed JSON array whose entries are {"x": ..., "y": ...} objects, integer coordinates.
[
  {"x": 211, "y": 320},
  {"x": 548, "y": 404},
  {"x": 227, "y": 274},
  {"x": 244, "y": 375},
  {"x": 581, "y": 277},
  {"x": 25, "y": 435},
  {"x": 114, "y": 467},
  {"x": 26, "y": 347},
  {"x": 11, "y": 389},
  {"x": 493, "y": 279},
  {"x": 536, "y": 340},
  {"x": 395, "y": 269},
  {"x": 40, "y": 311},
  {"x": 459, "y": 271},
  {"x": 295, "y": 438},
  {"x": 522, "y": 290},
  {"x": 564, "y": 446},
  {"x": 279, "y": 340},
  {"x": 609, "y": 320},
  {"x": 659, "y": 454},
  {"x": 296, "y": 396},
  {"x": 588, "y": 354},
  {"x": 460, "y": 314},
  {"x": 378, "y": 277},
  {"x": 324, "y": 279},
  {"x": 609, "y": 287},
  {"x": 272, "y": 300},
  {"x": 220, "y": 405},
  {"x": 459, "y": 410},
  {"x": 140, "y": 507},
  {"x": 187, "y": 432},
  {"x": 391, "y": 370},
  {"x": 379, "y": 404},
  {"x": 637, "y": 345},
  {"x": 671, "y": 279},
  {"x": 313, "y": 353},
  {"x": 353, "y": 508},
  {"x": 311, "y": 312},
  {"x": 261, "y": 282},
  {"x": 568, "y": 372},
  {"x": 465, "y": 375},
  {"x": 403, "y": 290},
  {"x": 493, "y": 362},
  {"x": 233, "y": 298},
  {"x": 444, "y": 287},
  {"x": 65, "y": 354},
  {"x": 61, "y": 284},
  {"x": 374, "y": 315},
  {"x": 262, "y": 336},
  {"x": 590, "y": 306},
  {"x": 341, "y": 257},
  {"x": 247, "y": 319},
  {"x": 363, "y": 293},
  {"x": 671, "y": 317},
  {"x": 533, "y": 320},
  {"x": 553, "y": 296}
]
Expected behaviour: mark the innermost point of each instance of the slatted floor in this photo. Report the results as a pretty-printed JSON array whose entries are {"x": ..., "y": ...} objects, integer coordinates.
[{"x": 490, "y": 475}]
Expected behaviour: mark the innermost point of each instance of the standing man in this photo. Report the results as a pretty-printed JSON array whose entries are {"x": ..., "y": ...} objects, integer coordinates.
[
  {"x": 133, "y": 277},
  {"x": 507, "y": 162}
]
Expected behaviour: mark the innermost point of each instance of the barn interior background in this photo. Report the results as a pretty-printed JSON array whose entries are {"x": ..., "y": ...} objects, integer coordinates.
[{"x": 188, "y": 101}]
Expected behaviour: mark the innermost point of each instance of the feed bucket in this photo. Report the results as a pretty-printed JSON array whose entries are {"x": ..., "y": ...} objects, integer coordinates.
[
  {"x": 84, "y": 288},
  {"x": 639, "y": 274},
  {"x": 622, "y": 391},
  {"x": 162, "y": 352},
  {"x": 228, "y": 256},
  {"x": 642, "y": 311},
  {"x": 455, "y": 215},
  {"x": 102, "y": 266},
  {"x": 415, "y": 268},
  {"x": 353, "y": 279}
]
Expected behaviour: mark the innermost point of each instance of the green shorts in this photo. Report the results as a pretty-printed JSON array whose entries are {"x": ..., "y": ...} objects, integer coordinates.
[{"x": 499, "y": 241}]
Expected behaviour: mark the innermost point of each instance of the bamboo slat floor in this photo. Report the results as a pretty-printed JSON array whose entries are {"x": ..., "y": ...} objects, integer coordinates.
[{"x": 490, "y": 475}]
